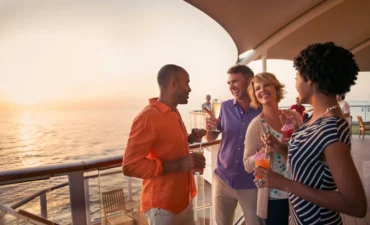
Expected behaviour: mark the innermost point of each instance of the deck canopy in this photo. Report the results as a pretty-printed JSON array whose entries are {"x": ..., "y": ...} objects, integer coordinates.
[{"x": 280, "y": 29}]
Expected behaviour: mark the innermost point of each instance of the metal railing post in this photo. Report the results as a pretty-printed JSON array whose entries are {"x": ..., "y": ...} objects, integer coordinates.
[
  {"x": 87, "y": 200},
  {"x": 196, "y": 198},
  {"x": 77, "y": 198},
  {"x": 129, "y": 187},
  {"x": 43, "y": 206}
]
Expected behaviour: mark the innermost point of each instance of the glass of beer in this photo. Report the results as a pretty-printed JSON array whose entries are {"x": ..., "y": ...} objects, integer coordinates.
[
  {"x": 198, "y": 121},
  {"x": 215, "y": 113}
]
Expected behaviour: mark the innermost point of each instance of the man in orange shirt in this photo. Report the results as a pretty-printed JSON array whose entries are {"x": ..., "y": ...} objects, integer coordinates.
[{"x": 158, "y": 152}]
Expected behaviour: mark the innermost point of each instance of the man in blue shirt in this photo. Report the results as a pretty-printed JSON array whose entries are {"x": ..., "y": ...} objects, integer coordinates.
[
  {"x": 207, "y": 104},
  {"x": 231, "y": 183}
]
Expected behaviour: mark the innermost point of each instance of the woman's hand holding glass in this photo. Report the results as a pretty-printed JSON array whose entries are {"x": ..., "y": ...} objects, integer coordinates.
[
  {"x": 268, "y": 178},
  {"x": 262, "y": 159}
]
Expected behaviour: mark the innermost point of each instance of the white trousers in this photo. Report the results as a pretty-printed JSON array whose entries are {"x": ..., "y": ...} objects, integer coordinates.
[
  {"x": 158, "y": 216},
  {"x": 225, "y": 200}
]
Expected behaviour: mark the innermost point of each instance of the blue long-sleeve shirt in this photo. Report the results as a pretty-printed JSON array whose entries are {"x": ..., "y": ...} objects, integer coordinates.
[{"x": 234, "y": 124}]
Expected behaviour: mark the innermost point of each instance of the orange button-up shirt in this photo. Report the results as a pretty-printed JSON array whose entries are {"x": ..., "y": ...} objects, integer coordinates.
[{"x": 158, "y": 134}]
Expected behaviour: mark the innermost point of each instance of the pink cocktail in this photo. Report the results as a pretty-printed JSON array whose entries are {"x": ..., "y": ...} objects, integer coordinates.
[{"x": 288, "y": 130}]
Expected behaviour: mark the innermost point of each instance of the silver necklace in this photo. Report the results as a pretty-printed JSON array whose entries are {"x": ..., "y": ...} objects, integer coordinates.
[{"x": 326, "y": 111}]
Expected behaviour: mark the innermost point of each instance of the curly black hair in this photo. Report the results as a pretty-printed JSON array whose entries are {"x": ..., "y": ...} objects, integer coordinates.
[{"x": 331, "y": 67}]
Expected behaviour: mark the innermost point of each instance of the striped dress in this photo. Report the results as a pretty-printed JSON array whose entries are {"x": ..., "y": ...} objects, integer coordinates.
[{"x": 305, "y": 149}]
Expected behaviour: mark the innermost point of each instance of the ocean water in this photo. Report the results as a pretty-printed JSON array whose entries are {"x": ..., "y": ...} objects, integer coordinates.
[{"x": 34, "y": 138}]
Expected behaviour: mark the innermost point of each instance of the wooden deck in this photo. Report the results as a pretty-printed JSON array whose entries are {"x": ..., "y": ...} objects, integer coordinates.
[{"x": 361, "y": 157}]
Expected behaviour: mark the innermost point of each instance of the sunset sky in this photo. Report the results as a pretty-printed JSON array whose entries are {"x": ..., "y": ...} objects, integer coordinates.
[{"x": 110, "y": 51}]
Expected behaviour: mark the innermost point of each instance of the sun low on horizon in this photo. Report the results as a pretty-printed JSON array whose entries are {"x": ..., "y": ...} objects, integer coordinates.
[{"x": 104, "y": 49}]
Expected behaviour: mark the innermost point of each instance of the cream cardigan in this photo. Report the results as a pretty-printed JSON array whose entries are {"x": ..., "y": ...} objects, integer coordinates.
[{"x": 252, "y": 145}]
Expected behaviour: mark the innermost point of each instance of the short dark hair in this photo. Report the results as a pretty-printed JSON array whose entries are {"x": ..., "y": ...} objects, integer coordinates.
[
  {"x": 166, "y": 73},
  {"x": 241, "y": 68},
  {"x": 331, "y": 67}
]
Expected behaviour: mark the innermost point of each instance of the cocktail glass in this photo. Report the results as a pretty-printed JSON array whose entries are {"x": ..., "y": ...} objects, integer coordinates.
[{"x": 262, "y": 160}]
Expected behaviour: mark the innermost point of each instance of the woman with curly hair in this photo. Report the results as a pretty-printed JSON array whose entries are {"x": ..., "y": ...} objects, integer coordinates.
[
  {"x": 324, "y": 181},
  {"x": 265, "y": 92}
]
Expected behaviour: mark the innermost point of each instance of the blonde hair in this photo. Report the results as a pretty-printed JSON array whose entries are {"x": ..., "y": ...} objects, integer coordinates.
[{"x": 270, "y": 79}]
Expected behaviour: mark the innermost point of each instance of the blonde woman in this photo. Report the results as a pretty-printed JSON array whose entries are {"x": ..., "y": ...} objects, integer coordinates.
[{"x": 265, "y": 92}]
